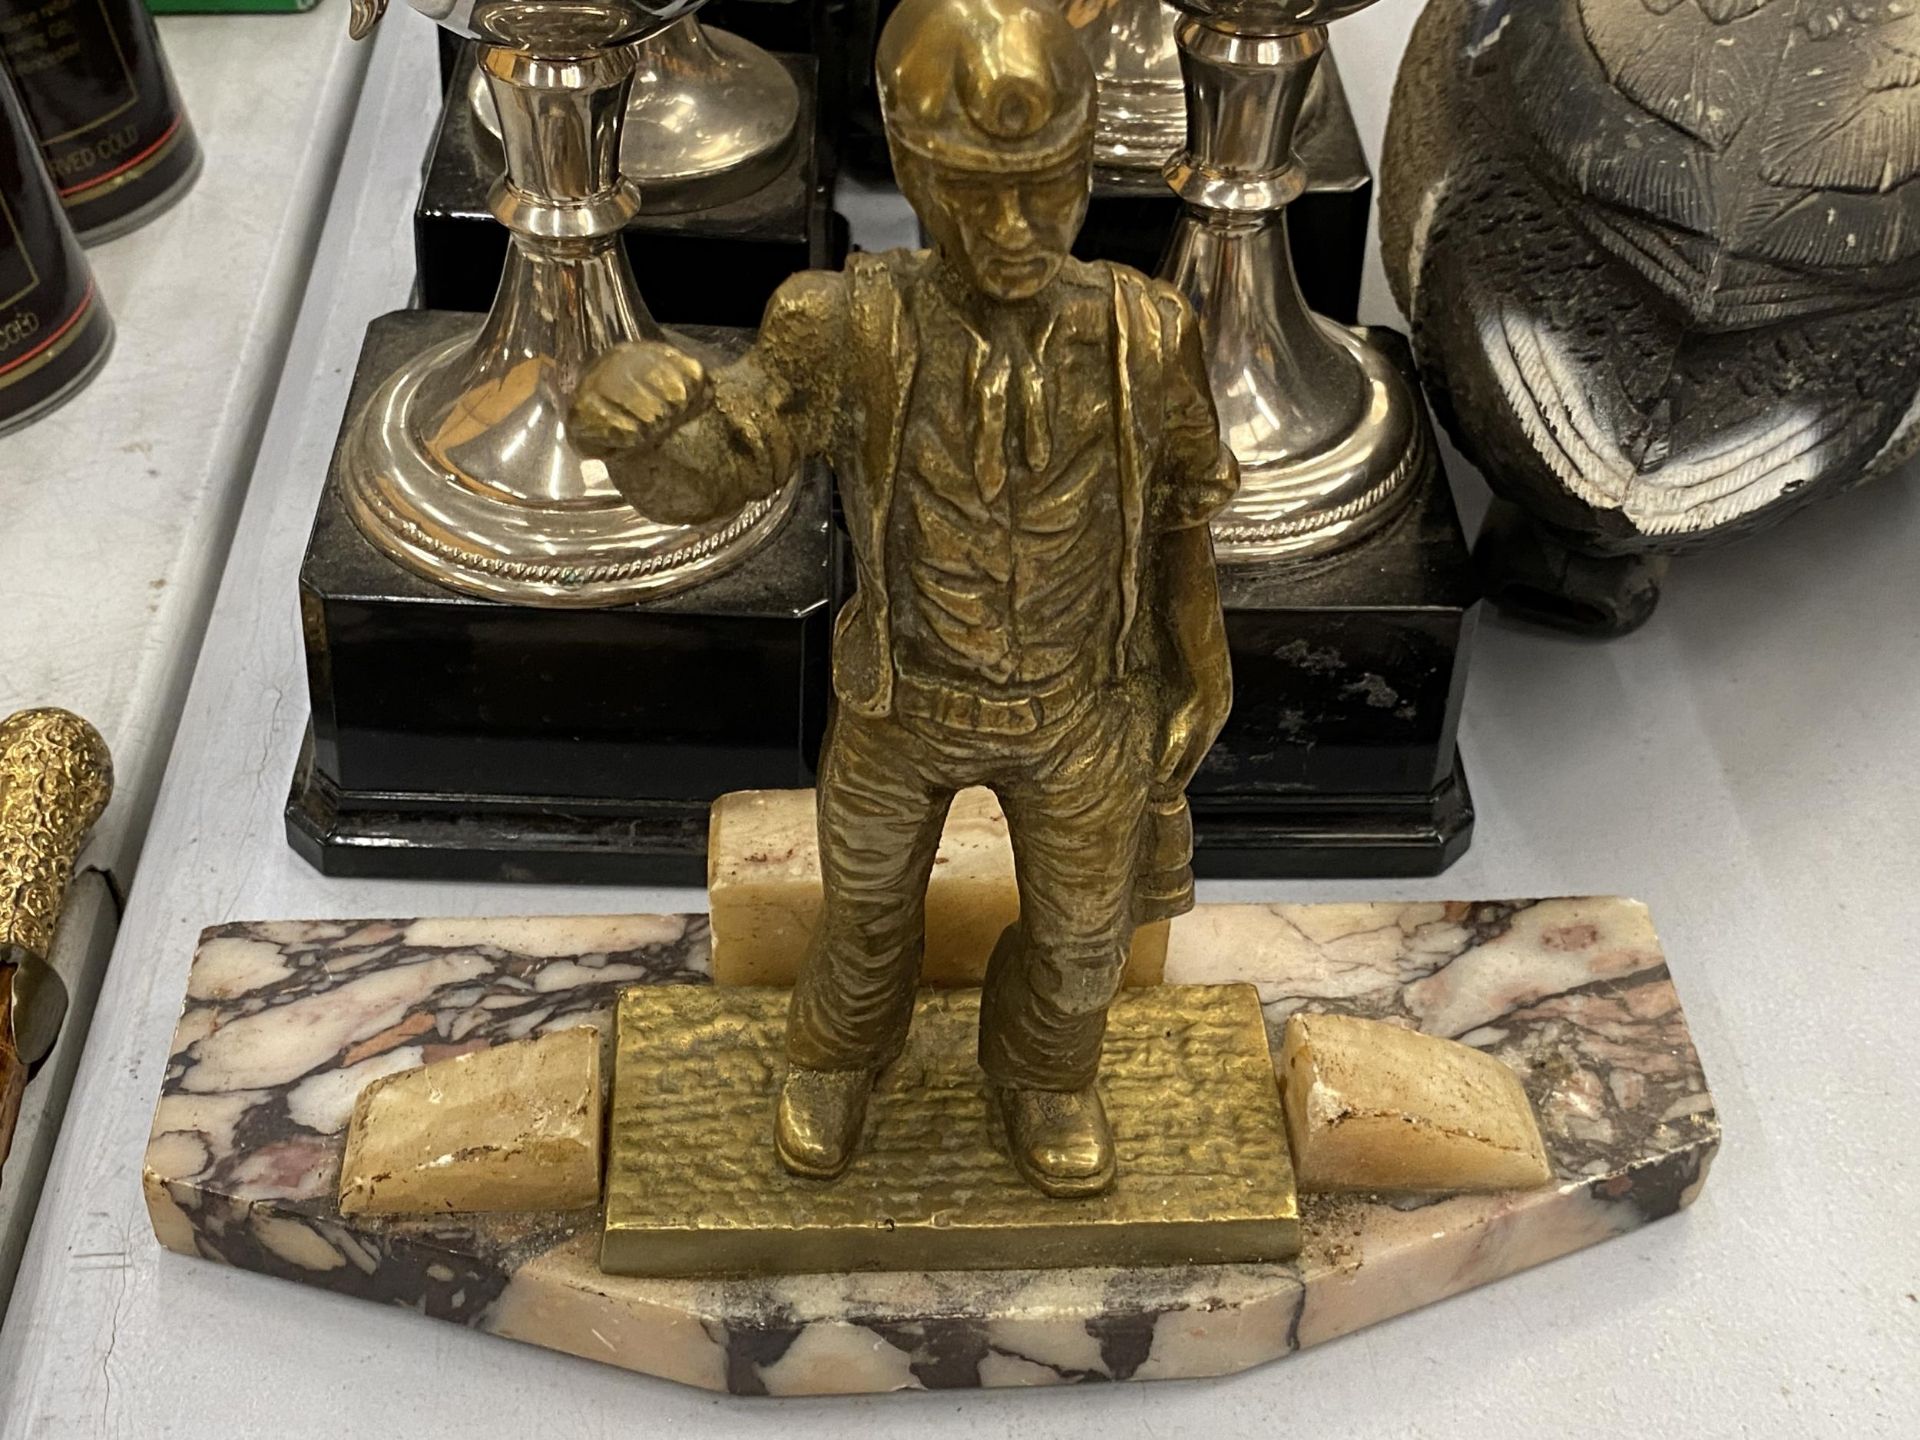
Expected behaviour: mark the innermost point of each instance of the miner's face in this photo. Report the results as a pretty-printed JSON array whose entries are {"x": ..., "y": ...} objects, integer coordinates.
[{"x": 1008, "y": 233}]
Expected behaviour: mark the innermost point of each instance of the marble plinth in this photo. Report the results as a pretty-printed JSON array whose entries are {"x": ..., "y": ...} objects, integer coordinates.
[{"x": 284, "y": 1023}]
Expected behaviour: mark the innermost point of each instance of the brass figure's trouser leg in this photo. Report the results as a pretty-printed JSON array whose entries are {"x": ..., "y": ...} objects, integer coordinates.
[
  {"x": 881, "y": 814},
  {"x": 1076, "y": 817}
]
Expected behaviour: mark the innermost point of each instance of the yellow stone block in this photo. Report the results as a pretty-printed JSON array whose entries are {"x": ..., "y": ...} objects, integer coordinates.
[
  {"x": 1373, "y": 1106},
  {"x": 763, "y": 883},
  {"x": 514, "y": 1127},
  {"x": 694, "y": 1188}
]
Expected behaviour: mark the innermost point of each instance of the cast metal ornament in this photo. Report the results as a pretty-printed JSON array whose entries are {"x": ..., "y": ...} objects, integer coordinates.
[
  {"x": 1329, "y": 436},
  {"x": 55, "y": 780},
  {"x": 713, "y": 117},
  {"x": 693, "y": 1192},
  {"x": 462, "y": 467},
  {"x": 1662, "y": 262},
  {"x": 1028, "y": 459}
]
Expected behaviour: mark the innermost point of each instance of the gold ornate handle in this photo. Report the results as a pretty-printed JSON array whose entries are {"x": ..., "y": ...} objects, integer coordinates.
[{"x": 55, "y": 779}]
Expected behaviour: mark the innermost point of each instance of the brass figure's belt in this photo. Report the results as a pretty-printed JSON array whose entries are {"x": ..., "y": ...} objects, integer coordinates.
[{"x": 952, "y": 708}]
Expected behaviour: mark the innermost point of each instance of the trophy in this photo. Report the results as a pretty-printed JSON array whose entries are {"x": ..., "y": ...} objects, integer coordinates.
[
  {"x": 711, "y": 119},
  {"x": 461, "y": 467},
  {"x": 1143, "y": 122},
  {"x": 512, "y": 673},
  {"x": 1348, "y": 590},
  {"x": 726, "y": 141},
  {"x": 1329, "y": 434}
]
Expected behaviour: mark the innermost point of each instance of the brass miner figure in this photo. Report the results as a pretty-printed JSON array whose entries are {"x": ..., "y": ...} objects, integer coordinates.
[{"x": 1028, "y": 458}]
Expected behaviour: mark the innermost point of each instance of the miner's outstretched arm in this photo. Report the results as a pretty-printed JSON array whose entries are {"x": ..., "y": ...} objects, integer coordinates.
[{"x": 687, "y": 446}]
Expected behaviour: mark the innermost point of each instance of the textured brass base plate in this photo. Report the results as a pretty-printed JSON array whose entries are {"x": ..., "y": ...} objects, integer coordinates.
[{"x": 694, "y": 1190}]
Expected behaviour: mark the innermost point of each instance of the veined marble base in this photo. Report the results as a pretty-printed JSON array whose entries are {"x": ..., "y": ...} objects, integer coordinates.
[{"x": 286, "y": 1021}]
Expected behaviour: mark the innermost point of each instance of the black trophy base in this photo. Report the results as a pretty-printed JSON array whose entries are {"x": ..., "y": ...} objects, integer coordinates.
[
  {"x": 1132, "y": 223},
  {"x": 400, "y": 836},
  {"x": 461, "y": 738},
  {"x": 1333, "y": 837},
  {"x": 1340, "y": 757},
  {"x": 717, "y": 266}
]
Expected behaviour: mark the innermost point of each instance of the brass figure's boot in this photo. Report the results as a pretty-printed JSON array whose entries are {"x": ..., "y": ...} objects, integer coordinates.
[
  {"x": 1059, "y": 1140},
  {"x": 817, "y": 1128}
]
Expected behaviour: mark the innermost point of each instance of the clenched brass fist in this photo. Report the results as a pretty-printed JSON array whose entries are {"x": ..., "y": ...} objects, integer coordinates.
[
  {"x": 630, "y": 401},
  {"x": 635, "y": 396}
]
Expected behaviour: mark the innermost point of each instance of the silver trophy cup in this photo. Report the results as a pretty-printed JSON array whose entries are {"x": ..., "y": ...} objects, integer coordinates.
[
  {"x": 461, "y": 466},
  {"x": 712, "y": 118},
  {"x": 1329, "y": 434},
  {"x": 1143, "y": 96}
]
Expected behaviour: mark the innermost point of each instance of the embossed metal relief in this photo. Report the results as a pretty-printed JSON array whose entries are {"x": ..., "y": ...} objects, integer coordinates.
[
  {"x": 55, "y": 780},
  {"x": 692, "y": 1191},
  {"x": 1662, "y": 257}
]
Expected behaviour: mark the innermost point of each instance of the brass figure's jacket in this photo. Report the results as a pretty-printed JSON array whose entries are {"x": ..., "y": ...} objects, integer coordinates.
[{"x": 832, "y": 375}]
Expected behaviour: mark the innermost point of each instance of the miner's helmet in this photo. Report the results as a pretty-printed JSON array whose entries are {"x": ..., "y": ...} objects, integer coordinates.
[{"x": 992, "y": 85}]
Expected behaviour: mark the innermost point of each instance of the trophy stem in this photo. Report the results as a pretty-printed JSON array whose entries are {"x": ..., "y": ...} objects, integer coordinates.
[
  {"x": 462, "y": 467},
  {"x": 567, "y": 294},
  {"x": 1326, "y": 431},
  {"x": 1143, "y": 97},
  {"x": 560, "y": 127}
]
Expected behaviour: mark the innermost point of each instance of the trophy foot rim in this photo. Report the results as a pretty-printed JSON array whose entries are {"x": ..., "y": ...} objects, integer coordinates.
[
  {"x": 570, "y": 555},
  {"x": 741, "y": 153},
  {"x": 1301, "y": 507}
]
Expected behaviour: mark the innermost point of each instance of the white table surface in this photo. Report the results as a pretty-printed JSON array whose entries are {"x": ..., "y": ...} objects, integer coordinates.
[
  {"x": 1747, "y": 764},
  {"x": 136, "y": 483}
]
